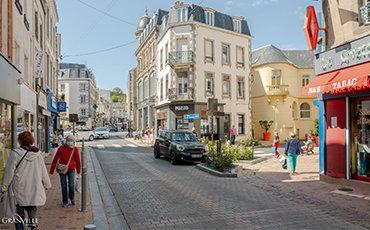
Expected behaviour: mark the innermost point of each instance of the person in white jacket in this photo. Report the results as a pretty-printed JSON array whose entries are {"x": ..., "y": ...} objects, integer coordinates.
[{"x": 27, "y": 182}]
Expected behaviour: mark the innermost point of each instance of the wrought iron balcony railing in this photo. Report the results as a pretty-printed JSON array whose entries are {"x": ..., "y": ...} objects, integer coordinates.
[
  {"x": 174, "y": 94},
  {"x": 277, "y": 89},
  {"x": 180, "y": 57},
  {"x": 365, "y": 14}
]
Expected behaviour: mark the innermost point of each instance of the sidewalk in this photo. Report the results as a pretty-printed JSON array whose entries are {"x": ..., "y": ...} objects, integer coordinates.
[
  {"x": 53, "y": 216},
  {"x": 305, "y": 186},
  {"x": 138, "y": 142}
]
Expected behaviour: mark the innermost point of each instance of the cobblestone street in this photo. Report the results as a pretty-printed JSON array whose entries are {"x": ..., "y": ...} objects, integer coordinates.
[{"x": 153, "y": 194}]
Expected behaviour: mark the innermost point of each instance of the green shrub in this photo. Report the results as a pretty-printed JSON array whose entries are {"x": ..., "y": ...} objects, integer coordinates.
[{"x": 248, "y": 142}]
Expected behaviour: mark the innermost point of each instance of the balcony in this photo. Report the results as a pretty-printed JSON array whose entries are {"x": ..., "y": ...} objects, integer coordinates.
[
  {"x": 178, "y": 94},
  {"x": 180, "y": 57},
  {"x": 277, "y": 90},
  {"x": 365, "y": 14}
]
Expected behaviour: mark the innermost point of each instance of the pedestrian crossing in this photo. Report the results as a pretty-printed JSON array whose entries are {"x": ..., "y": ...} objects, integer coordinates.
[{"x": 115, "y": 146}]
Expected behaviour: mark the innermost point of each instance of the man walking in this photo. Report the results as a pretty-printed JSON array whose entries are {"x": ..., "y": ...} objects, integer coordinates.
[{"x": 233, "y": 134}]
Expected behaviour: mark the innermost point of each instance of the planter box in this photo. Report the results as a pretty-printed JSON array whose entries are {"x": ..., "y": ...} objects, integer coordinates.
[{"x": 220, "y": 174}]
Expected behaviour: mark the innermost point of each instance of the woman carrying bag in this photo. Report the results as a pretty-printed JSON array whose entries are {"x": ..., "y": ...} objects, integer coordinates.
[
  {"x": 65, "y": 162},
  {"x": 26, "y": 178},
  {"x": 292, "y": 150}
]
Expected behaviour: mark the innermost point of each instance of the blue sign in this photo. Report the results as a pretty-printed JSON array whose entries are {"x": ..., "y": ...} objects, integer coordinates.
[
  {"x": 62, "y": 106},
  {"x": 187, "y": 116}
]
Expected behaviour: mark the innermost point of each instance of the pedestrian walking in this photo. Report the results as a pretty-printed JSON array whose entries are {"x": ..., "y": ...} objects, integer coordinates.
[
  {"x": 56, "y": 142},
  {"x": 67, "y": 155},
  {"x": 159, "y": 130},
  {"x": 26, "y": 178},
  {"x": 147, "y": 135},
  {"x": 193, "y": 131},
  {"x": 276, "y": 143},
  {"x": 152, "y": 135},
  {"x": 292, "y": 150},
  {"x": 233, "y": 134}
]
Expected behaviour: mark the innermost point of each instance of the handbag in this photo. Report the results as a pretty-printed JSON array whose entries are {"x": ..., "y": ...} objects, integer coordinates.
[
  {"x": 273, "y": 150},
  {"x": 78, "y": 186},
  {"x": 61, "y": 168}
]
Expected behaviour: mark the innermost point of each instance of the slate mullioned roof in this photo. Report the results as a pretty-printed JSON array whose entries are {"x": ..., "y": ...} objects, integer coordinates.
[{"x": 270, "y": 54}]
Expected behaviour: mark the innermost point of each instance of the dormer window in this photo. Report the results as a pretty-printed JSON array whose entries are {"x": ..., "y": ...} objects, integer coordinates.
[
  {"x": 210, "y": 17},
  {"x": 237, "y": 25},
  {"x": 182, "y": 15},
  {"x": 165, "y": 20}
]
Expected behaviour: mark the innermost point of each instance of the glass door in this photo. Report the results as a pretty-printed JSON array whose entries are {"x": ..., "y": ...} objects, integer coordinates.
[{"x": 182, "y": 85}]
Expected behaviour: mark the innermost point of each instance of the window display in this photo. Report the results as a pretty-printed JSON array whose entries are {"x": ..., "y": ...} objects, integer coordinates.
[{"x": 5, "y": 135}]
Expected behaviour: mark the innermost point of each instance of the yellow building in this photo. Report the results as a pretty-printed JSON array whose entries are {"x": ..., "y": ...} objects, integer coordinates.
[{"x": 281, "y": 75}]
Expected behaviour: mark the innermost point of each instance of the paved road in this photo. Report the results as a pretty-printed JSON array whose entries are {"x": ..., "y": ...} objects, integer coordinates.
[{"x": 153, "y": 194}]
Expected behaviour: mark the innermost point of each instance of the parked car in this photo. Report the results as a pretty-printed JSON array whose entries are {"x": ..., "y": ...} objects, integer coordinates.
[
  {"x": 101, "y": 132},
  {"x": 80, "y": 132},
  {"x": 180, "y": 146},
  {"x": 113, "y": 128}
]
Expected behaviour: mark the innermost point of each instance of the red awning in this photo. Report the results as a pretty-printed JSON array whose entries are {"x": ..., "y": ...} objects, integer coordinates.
[{"x": 340, "y": 81}]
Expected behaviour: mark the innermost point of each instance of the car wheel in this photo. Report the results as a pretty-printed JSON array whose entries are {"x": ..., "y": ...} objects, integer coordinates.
[
  {"x": 173, "y": 158},
  {"x": 156, "y": 153},
  {"x": 91, "y": 138}
]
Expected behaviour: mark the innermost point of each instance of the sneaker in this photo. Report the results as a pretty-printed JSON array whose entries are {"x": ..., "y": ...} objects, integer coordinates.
[
  {"x": 64, "y": 205},
  {"x": 73, "y": 202}
]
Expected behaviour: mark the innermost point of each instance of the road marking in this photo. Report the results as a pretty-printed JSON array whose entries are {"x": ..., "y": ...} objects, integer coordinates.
[
  {"x": 266, "y": 154},
  {"x": 131, "y": 145},
  {"x": 100, "y": 146},
  {"x": 258, "y": 151},
  {"x": 117, "y": 146}
]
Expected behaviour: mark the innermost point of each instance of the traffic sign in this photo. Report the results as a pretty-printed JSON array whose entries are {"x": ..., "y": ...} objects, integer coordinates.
[{"x": 189, "y": 116}]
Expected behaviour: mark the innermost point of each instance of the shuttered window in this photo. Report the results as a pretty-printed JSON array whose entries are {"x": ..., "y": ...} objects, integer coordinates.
[{"x": 209, "y": 50}]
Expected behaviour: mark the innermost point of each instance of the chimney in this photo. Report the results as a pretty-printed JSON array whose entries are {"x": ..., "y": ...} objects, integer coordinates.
[{"x": 176, "y": 3}]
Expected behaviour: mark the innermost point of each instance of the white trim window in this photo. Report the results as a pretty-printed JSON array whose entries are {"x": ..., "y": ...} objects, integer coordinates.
[
  {"x": 182, "y": 15},
  {"x": 225, "y": 54},
  {"x": 83, "y": 74},
  {"x": 83, "y": 87},
  {"x": 239, "y": 56},
  {"x": 237, "y": 25},
  {"x": 210, "y": 17},
  {"x": 209, "y": 84},
  {"x": 62, "y": 87},
  {"x": 365, "y": 12},
  {"x": 209, "y": 50},
  {"x": 83, "y": 112},
  {"x": 240, "y": 89},
  {"x": 83, "y": 99},
  {"x": 305, "y": 110},
  {"x": 305, "y": 80},
  {"x": 226, "y": 86},
  {"x": 161, "y": 58},
  {"x": 275, "y": 77}
]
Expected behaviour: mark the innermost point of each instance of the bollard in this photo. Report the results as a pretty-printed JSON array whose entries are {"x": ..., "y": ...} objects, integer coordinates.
[
  {"x": 90, "y": 226},
  {"x": 83, "y": 178}
]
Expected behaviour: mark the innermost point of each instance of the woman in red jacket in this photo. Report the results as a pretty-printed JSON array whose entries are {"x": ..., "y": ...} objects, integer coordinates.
[{"x": 63, "y": 154}]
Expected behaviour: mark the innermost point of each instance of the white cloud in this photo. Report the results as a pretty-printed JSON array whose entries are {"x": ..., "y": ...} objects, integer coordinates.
[
  {"x": 227, "y": 8},
  {"x": 288, "y": 47},
  {"x": 229, "y": 2},
  {"x": 262, "y": 2},
  {"x": 300, "y": 12}
]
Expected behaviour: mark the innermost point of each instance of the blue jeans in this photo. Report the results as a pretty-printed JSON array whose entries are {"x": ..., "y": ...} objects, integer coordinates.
[
  {"x": 293, "y": 161},
  {"x": 71, "y": 185},
  {"x": 233, "y": 139}
]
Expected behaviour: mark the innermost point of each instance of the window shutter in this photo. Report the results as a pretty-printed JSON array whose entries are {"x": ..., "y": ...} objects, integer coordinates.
[
  {"x": 240, "y": 55},
  {"x": 209, "y": 49}
]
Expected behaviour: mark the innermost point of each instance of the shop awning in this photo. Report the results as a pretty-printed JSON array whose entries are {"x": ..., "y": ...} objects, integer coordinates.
[{"x": 340, "y": 81}]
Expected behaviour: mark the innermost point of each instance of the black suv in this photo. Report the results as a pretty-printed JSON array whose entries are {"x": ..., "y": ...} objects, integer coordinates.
[{"x": 180, "y": 146}]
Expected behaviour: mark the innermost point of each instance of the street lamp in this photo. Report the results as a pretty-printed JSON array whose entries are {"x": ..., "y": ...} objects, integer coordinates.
[{"x": 276, "y": 103}]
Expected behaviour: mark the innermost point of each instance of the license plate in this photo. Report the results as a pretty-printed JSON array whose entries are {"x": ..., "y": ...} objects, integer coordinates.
[{"x": 196, "y": 156}]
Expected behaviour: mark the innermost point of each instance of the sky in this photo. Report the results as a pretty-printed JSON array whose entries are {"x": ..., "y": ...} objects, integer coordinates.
[{"x": 88, "y": 26}]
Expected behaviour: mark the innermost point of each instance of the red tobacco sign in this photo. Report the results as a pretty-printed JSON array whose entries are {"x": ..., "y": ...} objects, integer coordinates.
[{"x": 311, "y": 28}]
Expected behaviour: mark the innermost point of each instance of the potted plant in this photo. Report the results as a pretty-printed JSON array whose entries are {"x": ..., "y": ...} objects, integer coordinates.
[
  {"x": 265, "y": 125},
  {"x": 315, "y": 131}
]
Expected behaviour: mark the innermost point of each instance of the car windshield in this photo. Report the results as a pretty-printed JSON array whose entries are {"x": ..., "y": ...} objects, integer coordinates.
[
  {"x": 101, "y": 129},
  {"x": 68, "y": 129},
  {"x": 183, "y": 137}
]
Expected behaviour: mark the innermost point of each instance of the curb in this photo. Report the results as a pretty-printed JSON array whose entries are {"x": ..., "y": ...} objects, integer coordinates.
[
  {"x": 254, "y": 161},
  {"x": 233, "y": 173}
]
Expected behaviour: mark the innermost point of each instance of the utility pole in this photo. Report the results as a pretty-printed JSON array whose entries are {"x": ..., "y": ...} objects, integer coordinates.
[{"x": 276, "y": 103}]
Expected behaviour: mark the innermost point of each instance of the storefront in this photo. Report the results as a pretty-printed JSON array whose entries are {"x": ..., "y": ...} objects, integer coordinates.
[
  {"x": 10, "y": 97},
  {"x": 53, "y": 118},
  {"x": 26, "y": 111},
  {"x": 344, "y": 110},
  {"x": 42, "y": 120}
]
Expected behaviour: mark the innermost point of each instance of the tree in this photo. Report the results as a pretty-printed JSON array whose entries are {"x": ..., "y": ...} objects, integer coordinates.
[
  {"x": 114, "y": 98},
  {"x": 117, "y": 90}
]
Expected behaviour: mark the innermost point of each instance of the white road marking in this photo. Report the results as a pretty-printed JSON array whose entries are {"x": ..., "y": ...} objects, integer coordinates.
[
  {"x": 100, "y": 146},
  {"x": 131, "y": 145},
  {"x": 117, "y": 146},
  {"x": 258, "y": 151},
  {"x": 266, "y": 154}
]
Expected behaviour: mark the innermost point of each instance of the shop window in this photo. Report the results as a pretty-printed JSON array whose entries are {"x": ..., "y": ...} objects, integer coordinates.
[
  {"x": 275, "y": 78},
  {"x": 305, "y": 80},
  {"x": 209, "y": 84},
  {"x": 209, "y": 51},
  {"x": 6, "y": 134},
  {"x": 225, "y": 54},
  {"x": 305, "y": 110},
  {"x": 240, "y": 124}
]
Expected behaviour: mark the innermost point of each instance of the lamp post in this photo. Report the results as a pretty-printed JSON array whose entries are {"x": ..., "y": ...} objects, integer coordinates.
[{"x": 276, "y": 103}]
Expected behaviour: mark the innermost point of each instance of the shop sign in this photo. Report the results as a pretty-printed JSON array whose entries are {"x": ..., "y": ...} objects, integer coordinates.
[
  {"x": 349, "y": 54},
  {"x": 62, "y": 106},
  {"x": 54, "y": 102},
  {"x": 42, "y": 100},
  {"x": 311, "y": 28},
  {"x": 188, "y": 116},
  {"x": 181, "y": 108},
  {"x": 334, "y": 86}
]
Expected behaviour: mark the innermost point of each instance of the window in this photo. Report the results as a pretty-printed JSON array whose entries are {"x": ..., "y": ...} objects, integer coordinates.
[
  {"x": 209, "y": 84},
  {"x": 240, "y": 56},
  {"x": 166, "y": 53},
  {"x": 226, "y": 86},
  {"x": 240, "y": 124},
  {"x": 365, "y": 12},
  {"x": 131, "y": 77},
  {"x": 140, "y": 91},
  {"x": 225, "y": 54},
  {"x": 167, "y": 84},
  {"x": 83, "y": 112},
  {"x": 237, "y": 25},
  {"x": 293, "y": 109},
  {"x": 36, "y": 26},
  {"x": 210, "y": 18},
  {"x": 165, "y": 19},
  {"x": 62, "y": 87},
  {"x": 152, "y": 84},
  {"x": 83, "y": 99},
  {"x": 161, "y": 92},
  {"x": 305, "y": 110},
  {"x": 305, "y": 80},
  {"x": 161, "y": 58},
  {"x": 209, "y": 50},
  {"x": 275, "y": 79},
  {"x": 83, "y": 87},
  {"x": 182, "y": 15},
  {"x": 145, "y": 89},
  {"x": 240, "y": 86}
]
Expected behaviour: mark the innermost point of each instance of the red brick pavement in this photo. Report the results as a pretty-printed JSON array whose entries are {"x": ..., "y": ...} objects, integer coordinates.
[{"x": 53, "y": 216}]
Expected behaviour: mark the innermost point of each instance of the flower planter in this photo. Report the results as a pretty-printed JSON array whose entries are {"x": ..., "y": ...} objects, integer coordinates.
[
  {"x": 266, "y": 136},
  {"x": 316, "y": 140}
]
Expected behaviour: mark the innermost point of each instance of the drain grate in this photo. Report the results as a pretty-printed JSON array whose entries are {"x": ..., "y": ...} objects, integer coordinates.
[{"x": 345, "y": 189}]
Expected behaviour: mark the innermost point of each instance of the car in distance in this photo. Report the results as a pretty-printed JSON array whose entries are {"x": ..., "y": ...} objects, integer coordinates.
[
  {"x": 81, "y": 132},
  {"x": 101, "y": 132},
  {"x": 113, "y": 128},
  {"x": 180, "y": 146}
]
